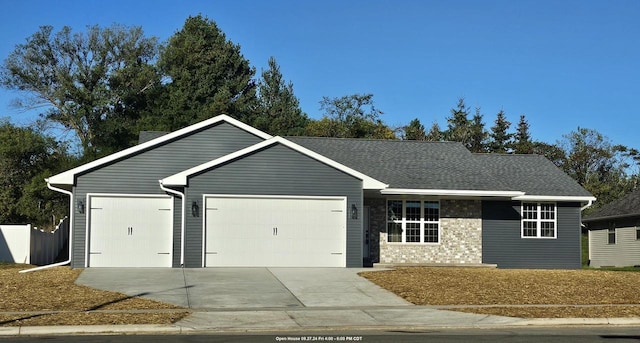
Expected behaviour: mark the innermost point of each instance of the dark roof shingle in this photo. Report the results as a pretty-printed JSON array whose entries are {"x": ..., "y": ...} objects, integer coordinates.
[
  {"x": 444, "y": 165},
  {"x": 627, "y": 206}
]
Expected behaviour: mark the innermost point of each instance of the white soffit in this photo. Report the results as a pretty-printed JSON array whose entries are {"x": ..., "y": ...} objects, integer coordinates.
[
  {"x": 180, "y": 179},
  {"x": 67, "y": 178}
]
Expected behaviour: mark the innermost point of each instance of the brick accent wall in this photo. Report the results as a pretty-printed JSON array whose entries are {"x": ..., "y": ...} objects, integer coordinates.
[{"x": 460, "y": 241}]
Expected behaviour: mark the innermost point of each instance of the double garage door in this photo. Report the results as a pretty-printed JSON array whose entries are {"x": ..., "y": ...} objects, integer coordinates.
[
  {"x": 275, "y": 231},
  {"x": 130, "y": 231}
]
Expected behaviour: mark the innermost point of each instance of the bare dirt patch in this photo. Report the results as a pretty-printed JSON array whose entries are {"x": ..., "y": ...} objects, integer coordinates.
[
  {"x": 54, "y": 289},
  {"x": 484, "y": 286}
]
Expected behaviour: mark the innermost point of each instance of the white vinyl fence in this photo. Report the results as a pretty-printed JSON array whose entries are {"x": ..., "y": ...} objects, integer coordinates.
[{"x": 24, "y": 244}]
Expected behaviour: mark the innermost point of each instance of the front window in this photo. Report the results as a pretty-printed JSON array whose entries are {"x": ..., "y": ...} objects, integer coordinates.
[
  {"x": 538, "y": 220},
  {"x": 413, "y": 221},
  {"x": 611, "y": 235}
]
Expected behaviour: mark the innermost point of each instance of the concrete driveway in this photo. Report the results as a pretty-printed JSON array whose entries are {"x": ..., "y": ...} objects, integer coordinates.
[{"x": 243, "y": 288}]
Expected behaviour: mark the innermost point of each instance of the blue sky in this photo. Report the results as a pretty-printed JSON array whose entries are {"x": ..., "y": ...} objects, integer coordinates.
[{"x": 563, "y": 64}]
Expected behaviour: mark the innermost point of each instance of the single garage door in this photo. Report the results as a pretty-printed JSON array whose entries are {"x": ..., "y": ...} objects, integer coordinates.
[
  {"x": 130, "y": 231},
  {"x": 263, "y": 231}
]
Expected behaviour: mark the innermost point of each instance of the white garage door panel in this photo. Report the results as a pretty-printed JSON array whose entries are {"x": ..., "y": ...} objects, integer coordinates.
[
  {"x": 130, "y": 231},
  {"x": 275, "y": 232}
]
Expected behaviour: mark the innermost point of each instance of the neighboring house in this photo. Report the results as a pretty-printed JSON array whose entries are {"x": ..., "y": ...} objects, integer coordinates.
[
  {"x": 614, "y": 233},
  {"x": 221, "y": 193}
]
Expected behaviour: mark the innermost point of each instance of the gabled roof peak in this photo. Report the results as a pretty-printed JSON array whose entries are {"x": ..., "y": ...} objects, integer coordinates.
[{"x": 68, "y": 177}]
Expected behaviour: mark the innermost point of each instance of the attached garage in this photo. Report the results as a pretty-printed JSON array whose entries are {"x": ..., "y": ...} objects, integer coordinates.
[
  {"x": 275, "y": 231},
  {"x": 129, "y": 231}
]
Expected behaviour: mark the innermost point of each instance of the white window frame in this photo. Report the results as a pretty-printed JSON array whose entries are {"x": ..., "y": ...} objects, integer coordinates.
[
  {"x": 538, "y": 220},
  {"x": 403, "y": 222}
]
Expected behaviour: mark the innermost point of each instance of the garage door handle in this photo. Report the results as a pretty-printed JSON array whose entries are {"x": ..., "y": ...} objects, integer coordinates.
[
  {"x": 275, "y": 231},
  {"x": 95, "y": 253},
  {"x": 163, "y": 253},
  {"x": 336, "y": 253}
]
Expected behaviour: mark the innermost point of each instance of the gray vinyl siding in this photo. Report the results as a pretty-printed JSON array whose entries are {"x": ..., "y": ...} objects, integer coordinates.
[
  {"x": 626, "y": 251},
  {"x": 276, "y": 170},
  {"x": 502, "y": 243},
  {"x": 139, "y": 174}
]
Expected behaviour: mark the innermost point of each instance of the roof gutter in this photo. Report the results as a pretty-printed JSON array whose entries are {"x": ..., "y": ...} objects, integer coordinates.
[
  {"x": 70, "y": 194},
  {"x": 182, "y": 219},
  {"x": 450, "y": 192}
]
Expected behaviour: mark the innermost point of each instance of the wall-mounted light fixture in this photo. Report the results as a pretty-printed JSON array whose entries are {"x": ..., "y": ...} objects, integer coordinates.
[
  {"x": 354, "y": 211},
  {"x": 80, "y": 206},
  {"x": 195, "y": 209}
]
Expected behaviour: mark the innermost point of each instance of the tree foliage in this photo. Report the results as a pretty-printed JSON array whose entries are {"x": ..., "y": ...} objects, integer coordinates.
[
  {"x": 596, "y": 163},
  {"x": 415, "y": 131},
  {"x": 350, "y": 116},
  {"x": 459, "y": 125},
  {"x": 500, "y": 137},
  {"x": 86, "y": 81},
  {"x": 26, "y": 158},
  {"x": 206, "y": 75},
  {"x": 477, "y": 134},
  {"x": 522, "y": 143},
  {"x": 435, "y": 134},
  {"x": 279, "y": 110}
]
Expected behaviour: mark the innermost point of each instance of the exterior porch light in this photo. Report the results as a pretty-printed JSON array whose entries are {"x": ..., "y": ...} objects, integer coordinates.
[
  {"x": 195, "y": 209},
  {"x": 354, "y": 211},
  {"x": 80, "y": 206}
]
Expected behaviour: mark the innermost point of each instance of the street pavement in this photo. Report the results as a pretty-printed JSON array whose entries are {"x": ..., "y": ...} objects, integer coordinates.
[{"x": 280, "y": 299}]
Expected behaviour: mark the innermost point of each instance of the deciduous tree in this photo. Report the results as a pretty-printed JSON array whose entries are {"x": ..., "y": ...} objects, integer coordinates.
[
  {"x": 88, "y": 82},
  {"x": 350, "y": 116},
  {"x": 26, "y": 158}
]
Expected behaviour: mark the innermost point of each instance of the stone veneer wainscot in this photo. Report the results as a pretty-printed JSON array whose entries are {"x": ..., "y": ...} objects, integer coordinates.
[{"x": 460, "y": 241}]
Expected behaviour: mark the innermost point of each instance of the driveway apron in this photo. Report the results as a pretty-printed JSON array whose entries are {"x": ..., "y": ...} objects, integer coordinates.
[{"x": 244, "y": 288}]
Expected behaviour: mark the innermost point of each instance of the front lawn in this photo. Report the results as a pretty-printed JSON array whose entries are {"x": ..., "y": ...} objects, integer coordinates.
[
  {"x": 515, "y": 293},
  {"x": 37, "y": 297}
]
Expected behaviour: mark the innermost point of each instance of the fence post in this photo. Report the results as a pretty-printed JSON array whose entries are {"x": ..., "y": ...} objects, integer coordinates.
[{"x": 28, "y": 234}]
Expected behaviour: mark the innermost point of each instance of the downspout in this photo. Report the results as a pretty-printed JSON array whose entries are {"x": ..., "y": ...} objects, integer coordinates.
[
  {"x": 586, "y": 206},
  {"x": 182, "y": 224},
  {"x": 70, "y": 194}
]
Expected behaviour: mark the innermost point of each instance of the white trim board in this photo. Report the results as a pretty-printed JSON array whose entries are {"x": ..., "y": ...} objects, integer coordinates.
[
  {"x": 68, "y": 177},
  {"x": 87, "y": 213},
  {"x": 451, "y": 192}
]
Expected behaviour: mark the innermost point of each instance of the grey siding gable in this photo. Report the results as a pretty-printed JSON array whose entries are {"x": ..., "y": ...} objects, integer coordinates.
[
  {"x": 502, "y": 243},
  {"x": 276, "y": 170},
  {"x": 139, "y": 173}
]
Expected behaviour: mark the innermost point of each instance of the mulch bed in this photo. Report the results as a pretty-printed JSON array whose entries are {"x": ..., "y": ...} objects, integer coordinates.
[{"x": 485, "y": 286}]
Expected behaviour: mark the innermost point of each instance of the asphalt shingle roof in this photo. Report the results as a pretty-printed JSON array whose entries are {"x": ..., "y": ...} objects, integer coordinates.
[
  {"x": 444, "y": 165},
  {"x": 532, "y": 174},
  {"x": 627, "y": 206}
]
